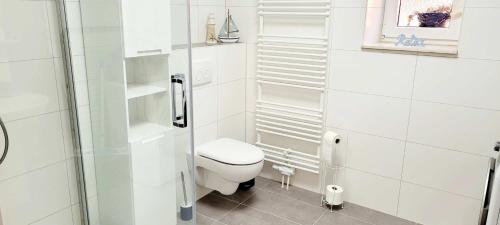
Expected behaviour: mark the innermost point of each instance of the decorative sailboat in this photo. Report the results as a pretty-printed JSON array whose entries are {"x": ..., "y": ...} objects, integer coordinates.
[{"x": 229, "y": 33}]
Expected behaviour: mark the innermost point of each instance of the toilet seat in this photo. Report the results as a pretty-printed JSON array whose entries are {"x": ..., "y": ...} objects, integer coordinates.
[
  {"x": 225, "y": 163},
  {"x": 231, "y": 152}
]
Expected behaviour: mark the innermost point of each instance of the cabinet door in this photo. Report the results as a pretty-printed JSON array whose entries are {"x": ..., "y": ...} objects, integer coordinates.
[
  {"x": 146, "y": 27},
  {"x": 153, "y": 176}
]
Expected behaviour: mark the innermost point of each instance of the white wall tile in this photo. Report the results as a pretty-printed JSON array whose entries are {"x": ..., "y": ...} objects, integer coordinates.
[
  {"x": 210, "y": 2},
  {"x": 251, "y": 95},
  {"x": 231, "y": 60},
  {"x": 205, "y": 134},
  {"x": 251, "y": 63},
  {"x": 376, "y": 115},
  {"x": 77, "y": 217},
  {"x": 63, "y": 217},
  {"x": 433, "y": 207},
  {"x": 458, "y": 81},
  {"x": 180, "y": 29},
  {"x": 34, "y": 143},
  {"x": 28, "y": 88},
  {"x": 35, "y": 195},
  {"x": 358, "y": 3},
  {"x": 53, "y": 17},
  {"x": 453, "y": 127},
  {"x": 374, "y": 154},
  {"x": 371, "y": 191},
  {"x": 247, "y": 3},
  {"x": 348, "y": 28},
  {"x": 251, "y": 134},
  {"x": 367, "y": 72},
  {"x": 201, "y": 56},
  {"x": 26, "y": 35},
  {"x": 478, "y": 39},
  {"x": 247, "y": 21},
  {"x": 205, "y": 105},
  {"x": 232, "y": 127},
  {"x": 451, "y": 171},
  {"x": 231, "y": 98},
  {"x": 482, "y": 3}
]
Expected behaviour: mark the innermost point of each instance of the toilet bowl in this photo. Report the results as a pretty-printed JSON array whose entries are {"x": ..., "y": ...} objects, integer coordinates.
[{"x": 224, "y": 163}]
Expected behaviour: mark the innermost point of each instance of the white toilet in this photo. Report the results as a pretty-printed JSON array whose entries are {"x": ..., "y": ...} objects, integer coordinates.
[{"x": 224, "y": 163}]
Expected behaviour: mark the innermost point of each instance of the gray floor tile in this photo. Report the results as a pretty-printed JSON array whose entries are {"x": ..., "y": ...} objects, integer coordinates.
[
  {"x": 372, "y": 216},
  {"x": 285, "y": 207},
  {"x": 240, "y": 196},
  {"x": 295, "y": 193},
  {"x": 333, "y": 218},
  {"x": 261, "y": 182},
  {"x": 244, "y": 215},
  {"x": 214, "y": 206},
  {"x": 203, "y": 220}
]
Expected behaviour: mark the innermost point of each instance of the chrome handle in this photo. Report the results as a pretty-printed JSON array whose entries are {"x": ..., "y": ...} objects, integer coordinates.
[
  {"x": 179, "y": 120},
  {"x": 497, "y": 147},
  {"x": 6, "y": 137}
]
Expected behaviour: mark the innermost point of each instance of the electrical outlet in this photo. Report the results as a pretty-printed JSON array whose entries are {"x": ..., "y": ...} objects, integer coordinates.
[{"x": 203, "y": 71}]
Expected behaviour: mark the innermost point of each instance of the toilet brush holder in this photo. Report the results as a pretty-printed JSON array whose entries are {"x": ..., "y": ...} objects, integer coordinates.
[{"x": 186, "y": 212}]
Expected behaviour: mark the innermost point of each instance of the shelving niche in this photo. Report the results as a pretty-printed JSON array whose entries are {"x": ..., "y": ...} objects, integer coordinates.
[{"x": 148, "y": 96}]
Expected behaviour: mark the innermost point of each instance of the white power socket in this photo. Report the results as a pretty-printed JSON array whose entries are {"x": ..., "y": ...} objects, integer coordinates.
[{"x": 203, "y": 71}]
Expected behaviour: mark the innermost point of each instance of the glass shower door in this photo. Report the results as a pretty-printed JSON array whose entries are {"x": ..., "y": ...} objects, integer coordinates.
[{"x": 137, "y": 57}]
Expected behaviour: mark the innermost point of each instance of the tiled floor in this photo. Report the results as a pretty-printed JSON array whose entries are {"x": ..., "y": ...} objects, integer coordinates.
[{"x": 268, "y": 204}]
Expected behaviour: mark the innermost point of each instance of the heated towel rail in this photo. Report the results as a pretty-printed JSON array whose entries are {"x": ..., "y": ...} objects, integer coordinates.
[{"x": 290, "y": 63}]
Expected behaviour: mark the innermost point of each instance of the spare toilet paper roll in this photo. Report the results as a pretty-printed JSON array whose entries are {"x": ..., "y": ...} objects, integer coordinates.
[
  {"x": 334, "y": 194},
  {"x": 330, "y": 141}
]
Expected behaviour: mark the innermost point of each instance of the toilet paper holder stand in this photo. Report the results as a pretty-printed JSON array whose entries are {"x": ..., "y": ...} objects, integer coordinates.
[
  {"x": 332, "y": 205},
  {"x": 331, "y": 195}
]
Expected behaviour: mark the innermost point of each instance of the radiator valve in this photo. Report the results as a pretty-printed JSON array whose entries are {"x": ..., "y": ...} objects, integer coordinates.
[{"x": 285, "y": 171}]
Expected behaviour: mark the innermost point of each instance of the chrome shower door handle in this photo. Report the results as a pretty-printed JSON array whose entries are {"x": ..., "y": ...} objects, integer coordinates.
[
  {"x": 6, "y": 138},
  {"x": 179, "y": 116}
]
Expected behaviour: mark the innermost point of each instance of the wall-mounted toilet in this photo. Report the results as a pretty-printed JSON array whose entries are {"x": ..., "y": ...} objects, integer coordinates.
[{"x": 224, "y": 163}]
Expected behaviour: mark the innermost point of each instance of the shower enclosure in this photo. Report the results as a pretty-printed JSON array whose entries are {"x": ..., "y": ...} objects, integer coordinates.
[{"x": 137, "y": 57}]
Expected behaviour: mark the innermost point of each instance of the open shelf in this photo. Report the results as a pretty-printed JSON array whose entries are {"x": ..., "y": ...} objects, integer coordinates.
[
  {"x": 142, "y": 130},
  {"x": 135, "y": 90}
]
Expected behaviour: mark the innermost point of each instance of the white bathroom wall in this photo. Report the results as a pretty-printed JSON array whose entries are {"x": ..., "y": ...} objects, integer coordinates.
[
  {"x": 219, "y": 107},
  {"x": 417, "y": 130},
  {"x": 244, "y": 13},
  {"x": 37, "y": 180}
]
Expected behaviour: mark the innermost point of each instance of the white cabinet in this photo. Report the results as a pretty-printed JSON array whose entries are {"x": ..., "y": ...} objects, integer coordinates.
[
  {"x": 153, "y": 172},
  {"x": 146, "y": 27}
]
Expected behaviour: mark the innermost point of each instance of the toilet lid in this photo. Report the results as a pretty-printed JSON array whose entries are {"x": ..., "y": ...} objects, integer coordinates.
[{"x": 231, "y": 151}]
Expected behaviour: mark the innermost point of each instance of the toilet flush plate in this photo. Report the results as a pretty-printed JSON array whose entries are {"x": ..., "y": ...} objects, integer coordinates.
[{"x": 203, "y": 71}]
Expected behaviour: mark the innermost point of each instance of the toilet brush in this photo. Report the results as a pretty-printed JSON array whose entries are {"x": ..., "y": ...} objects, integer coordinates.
[{"x": 186, "y": 209}]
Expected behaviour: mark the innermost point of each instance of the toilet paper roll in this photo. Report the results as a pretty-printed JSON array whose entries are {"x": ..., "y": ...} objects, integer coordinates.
[
  {"x": 328, "y": 147},
  {"x": 334, "y": 195}
]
